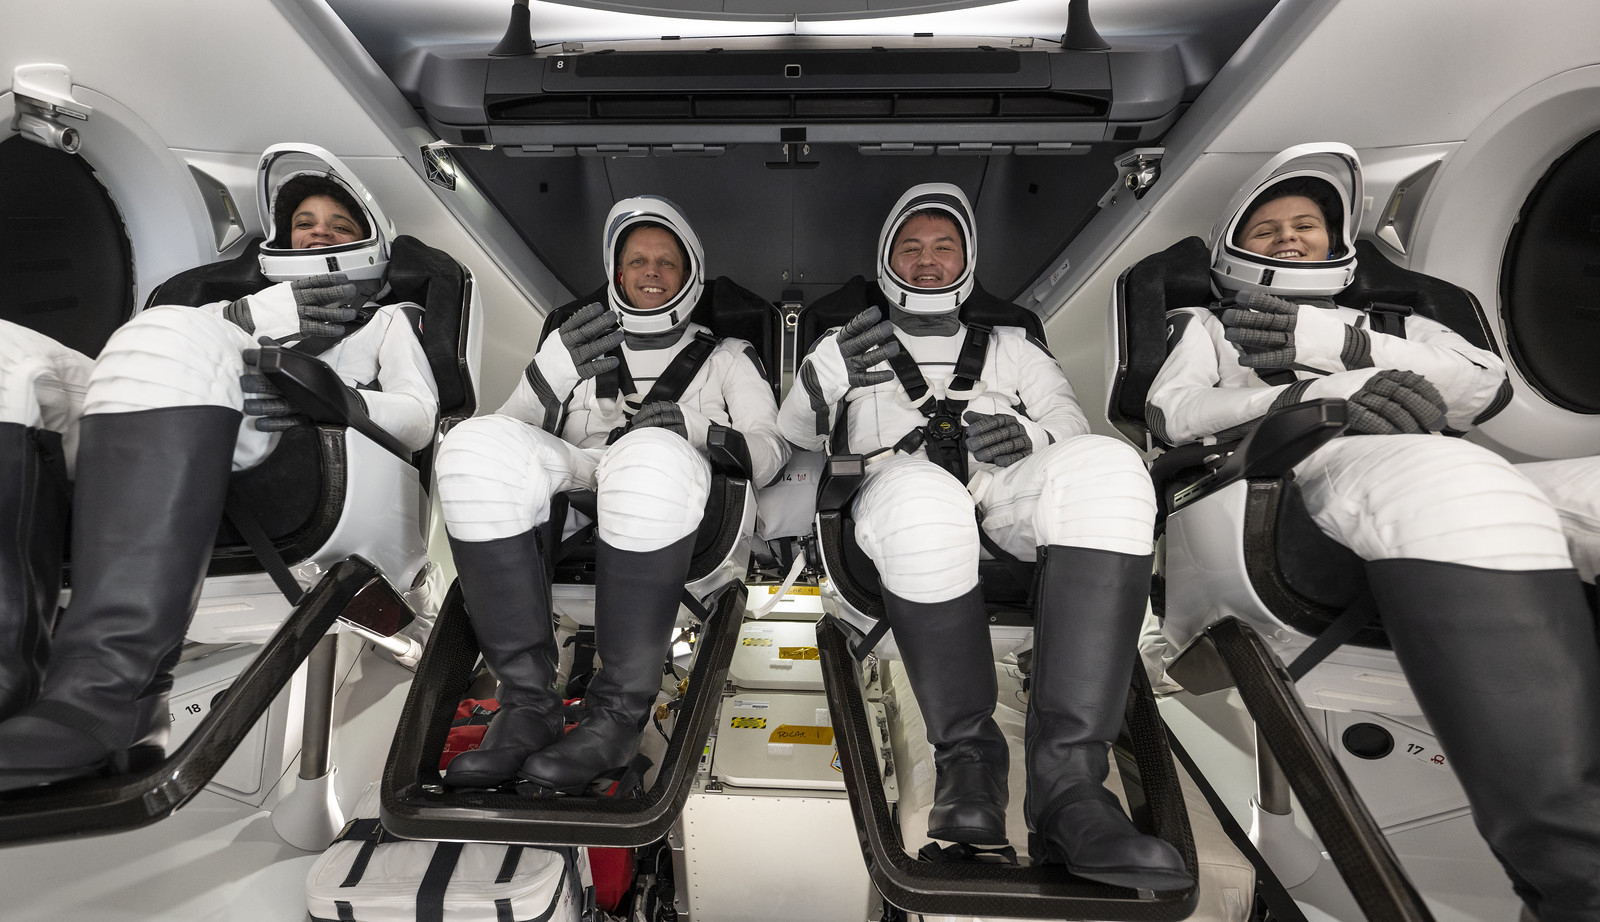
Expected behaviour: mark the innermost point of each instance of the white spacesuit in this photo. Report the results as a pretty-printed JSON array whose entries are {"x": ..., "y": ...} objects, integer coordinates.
[
  {"x": 1045, "y": 489},
  {"x": 578, "y": 421},
  {"x": 151, "y": 432},
  {"x": 1466, "y": 556}
]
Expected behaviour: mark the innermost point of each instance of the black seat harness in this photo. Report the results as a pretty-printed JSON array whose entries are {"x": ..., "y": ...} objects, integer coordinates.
[
  {"x": 943, "y": 436},
  {"x": 669, "y": 387}
]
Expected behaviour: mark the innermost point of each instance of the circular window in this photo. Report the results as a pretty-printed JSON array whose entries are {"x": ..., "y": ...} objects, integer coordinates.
[
  {"x": 65, "y": 266},
  {"x": 1550, "y": 282}
]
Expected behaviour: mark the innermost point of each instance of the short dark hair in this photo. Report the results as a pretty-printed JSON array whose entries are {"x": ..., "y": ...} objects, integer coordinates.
[
  {"x": 292, "y": 193},
  {"x": 1317, "y": 190}
]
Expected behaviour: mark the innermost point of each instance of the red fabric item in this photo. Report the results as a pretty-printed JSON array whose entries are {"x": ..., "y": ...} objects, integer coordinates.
[
  {"x": 612, "y": 869},
  {"x": 467, "y": 728}
]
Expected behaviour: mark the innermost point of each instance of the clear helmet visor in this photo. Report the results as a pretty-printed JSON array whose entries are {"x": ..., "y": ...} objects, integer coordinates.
[
  {"x": 946, "y": 200},
  {"x": 626, "y": 216},
  {"x": 1327, "y": 172},
  {"x": 283, "y": 170}
]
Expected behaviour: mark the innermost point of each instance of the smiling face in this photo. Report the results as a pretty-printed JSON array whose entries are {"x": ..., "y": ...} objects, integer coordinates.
[
  {"x": 927, "y": 252},
  {"x": 651, "y": 270},
  {"x": 1291, "y": 227},
  {"x": 319, "y": 221}
]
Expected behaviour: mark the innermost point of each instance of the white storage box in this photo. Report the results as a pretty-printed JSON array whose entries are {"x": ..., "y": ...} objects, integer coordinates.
[
  {"x": 368, "y": 875},
  {"x": 777, "y": 655},
  {"x": 767, "y": 833}
]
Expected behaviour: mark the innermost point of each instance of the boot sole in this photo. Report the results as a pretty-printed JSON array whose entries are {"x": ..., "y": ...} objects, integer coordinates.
[
  {"x": 1132, "y": 878},
  {"x": 126, "y": 762},
  {"x": 970, "y": 835}
]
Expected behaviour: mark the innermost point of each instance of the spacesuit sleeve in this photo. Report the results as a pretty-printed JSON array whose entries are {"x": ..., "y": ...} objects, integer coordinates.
[
  {"x": 753, "y": 412},
  {"x": 808, "y": 412},
  {"x": 1468, "y": 378},
  {"x": 1189, "y": 400},
  {"x": 408, "y": 405},
  {"x": 1048, "y": 401},
  {"x": 527, "y": 404}
]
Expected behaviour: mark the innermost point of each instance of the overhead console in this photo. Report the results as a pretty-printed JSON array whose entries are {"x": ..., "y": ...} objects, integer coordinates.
[{"x": 898, "y": 95}]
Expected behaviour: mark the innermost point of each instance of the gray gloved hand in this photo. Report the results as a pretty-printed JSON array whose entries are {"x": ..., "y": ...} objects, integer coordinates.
[
  {"x": 662, "y": 414},
  {"x": 323, "y": 303},
  {"x": 1394, "y": 401},
  {"x": 865, "y": 341},
  {"x": 1273, "y": 333},
  {"x": 997, "y": 438},
  {"x": 589, "y": 335},
  {"x": 273, "y": 411}
]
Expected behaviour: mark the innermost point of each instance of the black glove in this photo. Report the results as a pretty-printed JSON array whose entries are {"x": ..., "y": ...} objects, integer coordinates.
[
  {"x": 274, "y": 412},
  {"x": 997, "y": 438},
  {"x": 589, "y": 335},
  {"x": 323, "y": 304},
  {"x": 865, "y": 341},
  {"x": 663, "y": 414},
  {"x": 1394, "y": 401}
]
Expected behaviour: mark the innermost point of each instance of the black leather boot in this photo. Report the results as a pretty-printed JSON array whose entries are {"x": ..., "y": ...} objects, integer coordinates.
[
  {"x": 945, "y": 649},
  {"x": 146, "y": 506},
  {"x": 1084, "y": 638},
  {"x": 508, "y": 603},
  {"x": 1505, "y": 667},
  {"x": 636, "y": 597},
  {"x": 34, "y": 502}
]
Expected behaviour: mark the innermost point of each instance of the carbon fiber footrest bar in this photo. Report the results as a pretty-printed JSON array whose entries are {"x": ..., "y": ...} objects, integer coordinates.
[
  {"x": 97, "y": 806},
  {"x": 416, "y": 805},
  {"x": 1354, "y": 842},
  {"x": 986, "y": 889}
]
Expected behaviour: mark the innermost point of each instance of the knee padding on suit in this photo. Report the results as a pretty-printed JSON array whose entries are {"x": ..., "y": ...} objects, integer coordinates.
[
  {"x": 1431, "y": 498},
  {"x": 169, "y": 357},
  {"x": 496, "y": 477},
  {"x": 916, "y": 522},
  {"x": 652, "y": 490},
  {"x": 1095, "y": 492}
]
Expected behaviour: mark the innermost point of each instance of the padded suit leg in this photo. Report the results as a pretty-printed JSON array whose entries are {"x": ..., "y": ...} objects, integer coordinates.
[
  {"x": 635, "y": 607},
  {"x": 149, "y": 496},
  {"x": 1090, "y": 605},
  {"x": 1505, "y": 667},
  {"x": 508, "y": 603},
  {"x": 33, "y": 522},
  {"x": 945, "y": 648}
]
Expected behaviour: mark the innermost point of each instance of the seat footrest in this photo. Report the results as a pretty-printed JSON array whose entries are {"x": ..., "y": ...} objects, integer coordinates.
[
  {"x": 97, "y": 806},
  {"x": 416, "y": 805},
  {"x": 982, "y": 888}
]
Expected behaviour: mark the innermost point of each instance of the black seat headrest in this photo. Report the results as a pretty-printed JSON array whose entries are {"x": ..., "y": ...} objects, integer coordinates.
[
  {"x": 836, "y": 308},
  {"x": 417, "y": 272},
  {"x": 1180, "y": 276},
  {"x": 725, "y": 308}
]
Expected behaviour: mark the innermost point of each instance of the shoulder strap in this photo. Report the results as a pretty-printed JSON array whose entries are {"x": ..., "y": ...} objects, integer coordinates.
[
  {"x": 911, "y": 379},
  {"x": 682, "y": 369},
  {"x": 969, "y": 363}
]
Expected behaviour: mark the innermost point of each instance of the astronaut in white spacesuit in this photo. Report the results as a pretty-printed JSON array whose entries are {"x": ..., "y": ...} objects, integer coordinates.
[
  {"x": 999, "y": 430},
  {"x": 577, "y": 421},
  {"x": 149, "y": 434},
  {"x": 1465, "y": 556}
]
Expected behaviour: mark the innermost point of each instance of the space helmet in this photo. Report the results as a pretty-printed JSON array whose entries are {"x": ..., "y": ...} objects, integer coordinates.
[
  {"x": 1327, "y": 172},
  {"x": 653, "y": 211},
  {"x": 288, "y": 173},
  {"x": 952, "y": 202}
]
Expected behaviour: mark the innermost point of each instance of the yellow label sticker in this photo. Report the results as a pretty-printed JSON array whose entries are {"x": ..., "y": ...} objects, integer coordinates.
[
  {"x": 810, "y": 736},
  {"x": 757, "y": 641},
  {"x": 795, "y": 590},
  {"x": 798, "y": 653},
  {"x": 748, "y": 723}
]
